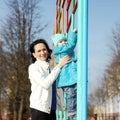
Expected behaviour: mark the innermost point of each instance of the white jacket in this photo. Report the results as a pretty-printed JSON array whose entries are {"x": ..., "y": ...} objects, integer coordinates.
[{"x": 41, "y": 85}]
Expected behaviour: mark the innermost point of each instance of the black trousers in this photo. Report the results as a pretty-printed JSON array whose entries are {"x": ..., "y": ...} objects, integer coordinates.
[
  {"x": 39, "y": 115},
  {"x": 52, "y": 115}
]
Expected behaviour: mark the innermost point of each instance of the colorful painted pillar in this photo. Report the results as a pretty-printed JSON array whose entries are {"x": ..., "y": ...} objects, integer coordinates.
[{"x": 82, "y": 55}]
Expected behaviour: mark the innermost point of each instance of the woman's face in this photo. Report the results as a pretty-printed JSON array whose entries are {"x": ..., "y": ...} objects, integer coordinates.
[{"x": 41, "y": 52}]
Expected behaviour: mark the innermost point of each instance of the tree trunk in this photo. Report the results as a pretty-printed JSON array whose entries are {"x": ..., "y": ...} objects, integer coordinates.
[
  {"x": 14, "y": 112},
  {"x": 110, "y": 105},
  {"x": 118, "y": 105},
  {"x": 21, "y": 109}
]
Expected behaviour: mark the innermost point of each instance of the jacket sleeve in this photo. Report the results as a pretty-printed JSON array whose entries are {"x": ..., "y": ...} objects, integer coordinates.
[{"x": 37, "y": 76}]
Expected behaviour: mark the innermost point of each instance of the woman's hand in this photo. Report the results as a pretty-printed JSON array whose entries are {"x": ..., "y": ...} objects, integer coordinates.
[{"x": 64, "y": 61}]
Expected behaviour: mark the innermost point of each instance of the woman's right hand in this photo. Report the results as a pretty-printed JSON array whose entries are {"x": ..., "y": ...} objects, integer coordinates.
[{"x": 64, "y": 61}]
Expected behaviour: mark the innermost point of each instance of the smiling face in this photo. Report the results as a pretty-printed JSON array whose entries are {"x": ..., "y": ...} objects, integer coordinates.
[{"x": 40, "y": 52}]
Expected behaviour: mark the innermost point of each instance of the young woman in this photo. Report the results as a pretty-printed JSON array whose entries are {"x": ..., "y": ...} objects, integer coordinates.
[{"x": 42, "y": 76}]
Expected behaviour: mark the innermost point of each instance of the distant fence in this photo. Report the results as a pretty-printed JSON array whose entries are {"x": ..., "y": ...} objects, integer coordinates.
[
  {"x": 114, "y": 116},
  {"x": 107, "y": 116}
]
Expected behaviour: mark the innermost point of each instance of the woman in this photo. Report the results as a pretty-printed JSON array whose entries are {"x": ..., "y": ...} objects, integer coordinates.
[{"x": 42, "y": 77}]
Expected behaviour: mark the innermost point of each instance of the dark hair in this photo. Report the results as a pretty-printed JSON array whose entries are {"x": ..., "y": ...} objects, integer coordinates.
[{"x": 37, "y": 42}]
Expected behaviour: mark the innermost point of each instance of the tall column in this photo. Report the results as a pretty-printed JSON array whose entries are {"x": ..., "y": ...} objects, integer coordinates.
[{"x": 82, "y": 55}]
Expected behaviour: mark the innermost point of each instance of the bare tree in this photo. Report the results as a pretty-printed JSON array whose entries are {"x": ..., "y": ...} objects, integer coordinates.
[
  {"x": 99, "y": 97},
  {"x": 115, "y": 47},
  {"x": 110, "y": 87},
  {"x": 113, "y": 80},
  {"x": 20, "y": 27},
  {"x": 3, "y": 68},
  {"x": 114, "y": 67}
]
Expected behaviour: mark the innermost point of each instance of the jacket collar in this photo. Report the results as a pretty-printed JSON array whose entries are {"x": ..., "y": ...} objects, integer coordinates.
[{"x": 43, "y": 64}]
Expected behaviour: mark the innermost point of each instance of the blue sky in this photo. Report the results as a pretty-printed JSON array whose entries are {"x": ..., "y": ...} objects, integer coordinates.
[{"x": 103, "y": 15}]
